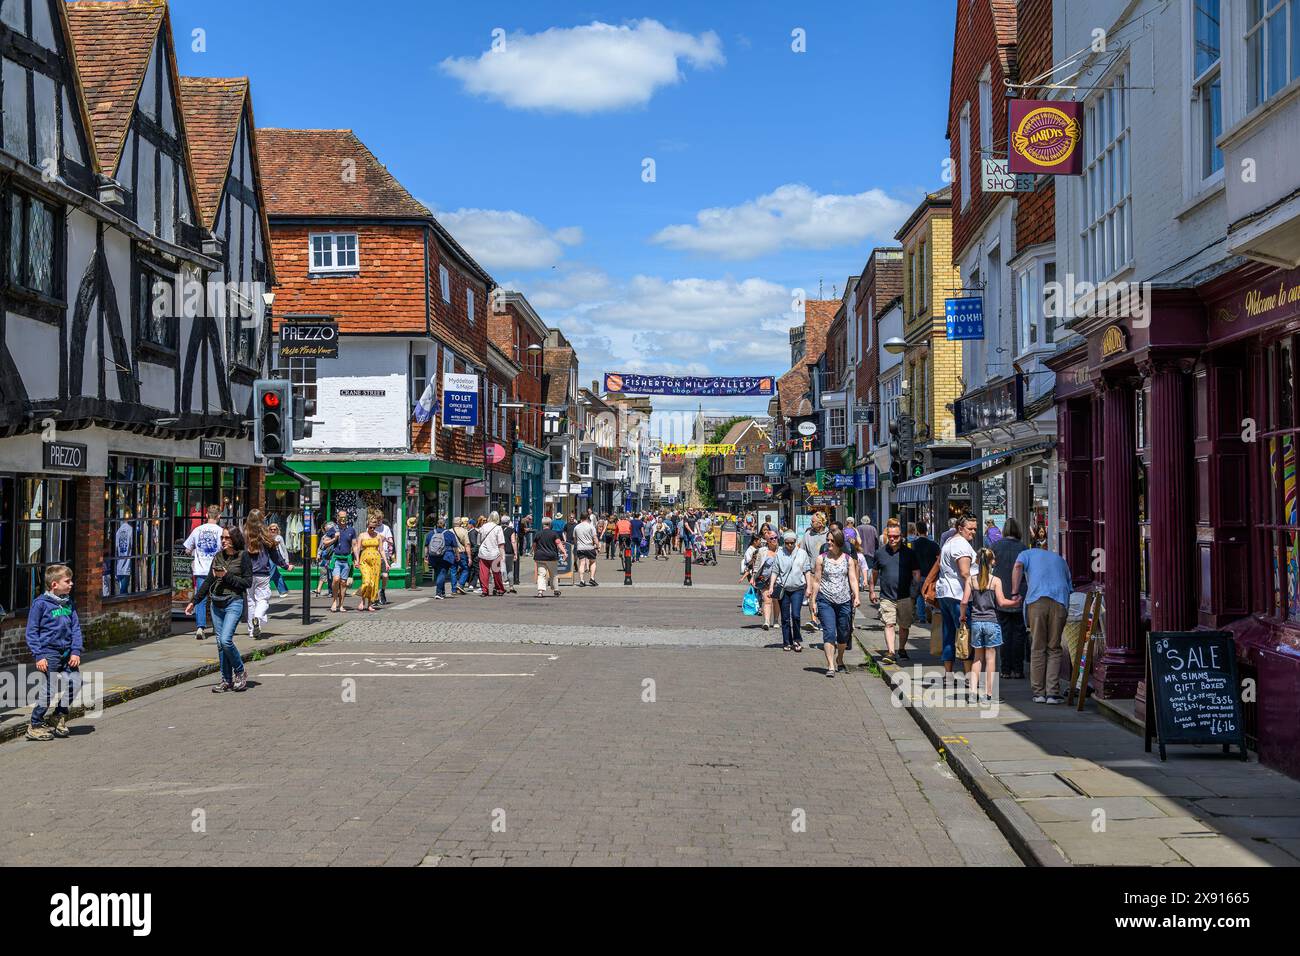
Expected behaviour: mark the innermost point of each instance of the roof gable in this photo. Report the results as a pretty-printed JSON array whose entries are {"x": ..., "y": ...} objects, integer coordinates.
[
  {"x": 213, "y": 110},
  {"x": 328, "y": 173},
  {"x": 113, "y": 44}
]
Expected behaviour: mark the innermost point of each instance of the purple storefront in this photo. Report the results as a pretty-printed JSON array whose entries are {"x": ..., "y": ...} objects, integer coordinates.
[{"x": 1179, "y": 441}]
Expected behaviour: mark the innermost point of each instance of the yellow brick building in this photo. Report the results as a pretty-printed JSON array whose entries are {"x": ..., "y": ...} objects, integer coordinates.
[{"x": 932, "y": 364}]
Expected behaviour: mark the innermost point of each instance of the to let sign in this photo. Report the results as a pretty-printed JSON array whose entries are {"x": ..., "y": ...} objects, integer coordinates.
[
  {"x": 66, "y": 455},
  {"x": 459, "y": 399},
  {"x": 964, "y": 317}
]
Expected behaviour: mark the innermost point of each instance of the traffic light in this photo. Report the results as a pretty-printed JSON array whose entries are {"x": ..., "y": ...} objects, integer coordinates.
[
  {"x": 897, "y": 468},
  {"x": 272, "y": 413},
  {"x": 302, "y": 411},
  {"x": 907, "y": 437}
]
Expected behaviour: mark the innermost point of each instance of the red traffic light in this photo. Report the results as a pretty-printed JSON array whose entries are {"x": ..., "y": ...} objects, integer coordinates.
[{"x": 271, "y": 399}]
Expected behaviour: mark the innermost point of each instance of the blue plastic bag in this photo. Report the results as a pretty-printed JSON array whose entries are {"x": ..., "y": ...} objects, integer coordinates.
[{"x": 750, "y": 604}]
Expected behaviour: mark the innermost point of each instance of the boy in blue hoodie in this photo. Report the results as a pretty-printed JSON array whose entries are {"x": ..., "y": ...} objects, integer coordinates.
[{"x": 54, "y": 638}]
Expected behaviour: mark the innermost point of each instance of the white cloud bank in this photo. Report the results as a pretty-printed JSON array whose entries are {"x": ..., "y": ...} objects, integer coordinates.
[
  {"x": 586, "y": 69},
  {"x": 504, "y": 239}
]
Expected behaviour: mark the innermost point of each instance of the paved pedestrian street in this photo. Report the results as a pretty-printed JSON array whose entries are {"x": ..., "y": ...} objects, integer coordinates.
[{"x": 421, "y": 735}]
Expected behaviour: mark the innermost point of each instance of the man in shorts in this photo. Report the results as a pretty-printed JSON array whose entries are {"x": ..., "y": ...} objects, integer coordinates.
[
  {"x": 584, "y": 543},
  {"x": 341, "y": 563},
  {"x": 894, "y": 571}
]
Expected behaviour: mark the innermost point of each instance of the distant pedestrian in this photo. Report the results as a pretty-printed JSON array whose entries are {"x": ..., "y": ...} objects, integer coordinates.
[
  {"x": 225, "y": 590},
  {"x": 789, "y": 586},
  {"x": 548, "y": 548},
  {"x": 813, "y": 541},
  {"x": 584, "y": 546},
  {"x": 1015, "y": 637},
  {"x": 265, "y": 557},
  {"x": 991, "y": 533},
  {"x": 763, "y": 567},
  {"x": 277, "y": 579},
  {"x": 324, "y": 555},
  {"x": 869, "y": 538},
  {"x": 368, "y": 554},
  {"x": 203, "y": 542},
  {"x": 1046, "y": 602},
  {"x": 390, "y": 554},
  {"x": 341, "y": 563},
  {"x": 440, "y": 550},
  {"x": 491, "y": 556},
  {"x": 927, "y": 555},
  {"x": 461, "y": 530},
  {"x": 835, "y": 591},
  {"x": 952, "y": 529}
]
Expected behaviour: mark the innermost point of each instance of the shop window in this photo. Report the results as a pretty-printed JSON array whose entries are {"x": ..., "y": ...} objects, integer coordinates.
[
  {"x": 419, "y": 376},
  {"x": 301, "y": 373},
  {"x": 32, "y": 235},
  {"x": 241, "y": 329},
  {"x": 155, "y": 313},
  {"x": 1106, "y": 244},
  {"x": 839, "y": 428},
  {"x": 137, "y": 534},
  {"x": 235, "y": 499},
  {"x": 334, "y": 252},
  {"x": 284, "y": 508},
  {"x": 1207, "y": 89},
  {"x": 36, "y": 530},
  {"x": 1272, "y": 60},
  {"x": 1281, "y": 518}
]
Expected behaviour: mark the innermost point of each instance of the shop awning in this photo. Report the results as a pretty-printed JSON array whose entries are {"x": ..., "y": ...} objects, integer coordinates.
[{"x": 987, "y": 466}]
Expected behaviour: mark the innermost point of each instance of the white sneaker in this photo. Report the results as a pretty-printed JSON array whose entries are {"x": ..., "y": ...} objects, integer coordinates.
[
  {"x": 1039, "y": 699},
  {"x": 1054, "y": 700}
]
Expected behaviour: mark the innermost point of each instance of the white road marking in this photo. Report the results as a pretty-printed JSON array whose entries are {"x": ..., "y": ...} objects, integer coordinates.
[
  {"x": 411, "y": 603},
  {"x": 551, "y": 657},
  {"x": 395, "y": 674}
]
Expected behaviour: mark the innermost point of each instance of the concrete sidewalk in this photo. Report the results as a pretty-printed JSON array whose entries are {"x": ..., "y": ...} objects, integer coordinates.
[
  {"x": 1071, "y": 788},
  {"x": 142, "y": 667}
]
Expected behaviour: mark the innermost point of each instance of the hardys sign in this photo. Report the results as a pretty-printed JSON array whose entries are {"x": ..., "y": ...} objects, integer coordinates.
[
  {"x": 309, "y": 340},
  {"x": 1044, "y": 137}
]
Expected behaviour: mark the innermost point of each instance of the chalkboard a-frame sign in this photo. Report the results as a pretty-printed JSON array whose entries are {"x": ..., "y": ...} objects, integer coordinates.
[{"x": 1193, "y": 695}]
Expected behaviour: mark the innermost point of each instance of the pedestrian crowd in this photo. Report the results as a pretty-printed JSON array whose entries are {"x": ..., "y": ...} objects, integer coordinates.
[{"x": 997, "y": 607}]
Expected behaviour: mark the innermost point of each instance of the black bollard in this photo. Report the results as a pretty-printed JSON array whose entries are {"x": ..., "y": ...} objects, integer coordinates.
[
  {"x": 627, "y": 565},
  {"x": 687, "y": 582}
]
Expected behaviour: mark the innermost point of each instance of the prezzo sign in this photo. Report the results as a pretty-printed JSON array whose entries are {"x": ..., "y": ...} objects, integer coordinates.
[
  {"x": 64, "y": 454},
  {"x": 459, "y": 399},
  {"x": 212, "y": 449},
  {"x": 314, "y": 340}
]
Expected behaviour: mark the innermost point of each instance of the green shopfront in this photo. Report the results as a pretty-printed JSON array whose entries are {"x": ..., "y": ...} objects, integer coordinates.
[
  {"x": 529, "y": 468},
  {"x": 410, "y": 492}
]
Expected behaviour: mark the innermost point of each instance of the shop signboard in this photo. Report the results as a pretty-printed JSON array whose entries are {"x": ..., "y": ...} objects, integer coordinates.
[
  {"x": 964, "y": 317},
  {"x": 459, "y": 399},
  {"x": 315, "y": 340},
  {"x": 1044, "y": 137},
  {"x": 64, "y": 455},
  {"x": 212, "y": 449},
  {"x": 774, "y": 465}
]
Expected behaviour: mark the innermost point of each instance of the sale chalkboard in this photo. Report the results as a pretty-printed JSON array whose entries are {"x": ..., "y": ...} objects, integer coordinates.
[{"x": 1193, "y": 696}]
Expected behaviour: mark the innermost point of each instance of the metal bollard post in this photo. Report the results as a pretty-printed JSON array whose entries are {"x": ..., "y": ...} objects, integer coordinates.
[
  {"x": 687, "y": 582},
  {"x": 627, "y": 565}
]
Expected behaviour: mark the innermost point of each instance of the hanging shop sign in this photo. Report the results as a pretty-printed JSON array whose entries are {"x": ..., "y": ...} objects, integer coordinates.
[
  {"x": 459, "y": 399},
  {"x": 998, "y": 404},
  {"x": 309, "y": 340},
  {"x": 390, "y": 486},
  {"x": 629, "y": 384},
  {"x": 997, "y": 178},
  {"x": 963, "y": 318},
  {"x": 1045, "y": 137},
  {"x": 807, "y": 428},
  {"x": 495, "y": 453},
  {"x": 774, "y": 465},
  {"x": 863, "y": 415}
]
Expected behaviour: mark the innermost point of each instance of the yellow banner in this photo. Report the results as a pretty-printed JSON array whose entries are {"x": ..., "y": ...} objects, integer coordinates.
[{"x": 697, "y": 451}]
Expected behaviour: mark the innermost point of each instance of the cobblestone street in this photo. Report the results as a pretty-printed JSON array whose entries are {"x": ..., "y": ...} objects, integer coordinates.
[{"x": 680, "y": 746}]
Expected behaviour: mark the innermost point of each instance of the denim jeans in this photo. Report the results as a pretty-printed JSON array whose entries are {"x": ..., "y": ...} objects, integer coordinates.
[
  {"x": 835, "y": 618},
  {"x": 278, "y": 581},
  {"x": 951, "y": 610},
  {"x": 791, "y": 606},
  {"x": 200, "y": 609},
  {"x": 462, "y": 570},
  {"x": 443, "y": 571},
  {"x": 225, "y": 620},
  {"x": 59, "y": 681},
  {"x": 921, "y": 616}
]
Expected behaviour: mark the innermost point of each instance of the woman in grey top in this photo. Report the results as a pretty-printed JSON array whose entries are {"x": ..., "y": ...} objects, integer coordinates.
[
  {"x": 835, "y": 591},
  {"x": 983, "y": 595}
]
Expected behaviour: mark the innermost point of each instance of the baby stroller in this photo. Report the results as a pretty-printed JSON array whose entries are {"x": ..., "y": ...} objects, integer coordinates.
[
  {"x": 704, "y": 551},
  {"x": 661, "y": 538}
]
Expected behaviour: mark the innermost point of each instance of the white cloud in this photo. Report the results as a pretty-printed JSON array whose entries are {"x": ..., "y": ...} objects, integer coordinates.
[
  {"x": 575, "y": 288},
  {"x": 505, "y": 239},
  {"x": 585, "y": 69},
  {"x": 791, "y": 216}
]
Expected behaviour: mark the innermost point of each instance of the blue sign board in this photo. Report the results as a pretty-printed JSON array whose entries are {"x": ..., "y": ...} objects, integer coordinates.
[
  {"x": 459, "y": 399},
  {"x": 964, "y": 317},
  {"x": 632, "y": 384}
]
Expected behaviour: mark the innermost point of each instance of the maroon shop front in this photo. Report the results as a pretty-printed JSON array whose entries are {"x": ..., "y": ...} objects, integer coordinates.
[{"x": 1179, "y": 445}]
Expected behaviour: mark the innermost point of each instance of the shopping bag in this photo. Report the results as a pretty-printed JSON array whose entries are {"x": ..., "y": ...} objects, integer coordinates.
[
  {"x": 963, "y": 642},
  {"x": 750, "y": 604}
]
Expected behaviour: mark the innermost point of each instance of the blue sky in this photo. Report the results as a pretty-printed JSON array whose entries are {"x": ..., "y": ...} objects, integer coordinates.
[{"x": 533, "y": 154}]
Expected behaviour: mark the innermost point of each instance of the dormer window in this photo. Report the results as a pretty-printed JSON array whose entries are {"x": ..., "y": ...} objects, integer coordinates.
[{"x": 334, "y": 252}]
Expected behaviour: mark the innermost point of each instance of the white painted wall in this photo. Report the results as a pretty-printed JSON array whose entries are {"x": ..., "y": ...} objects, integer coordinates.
[{"x": 372, "y": 363}]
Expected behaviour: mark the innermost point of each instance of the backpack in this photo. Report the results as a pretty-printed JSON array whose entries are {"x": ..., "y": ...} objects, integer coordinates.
[{"x": 437, "y": 543}]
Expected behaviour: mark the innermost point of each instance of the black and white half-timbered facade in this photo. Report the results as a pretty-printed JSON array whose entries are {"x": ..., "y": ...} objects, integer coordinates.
[{"x": 131, "y": 310}]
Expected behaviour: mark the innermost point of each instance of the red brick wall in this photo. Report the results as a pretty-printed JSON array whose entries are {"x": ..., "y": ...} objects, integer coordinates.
[
  {"x": 881, "y": 283},
  {"x": 450, "y": 323},
  {"x": 1036, "y": 211},
  {"x": 385, "y": 295},
  {"x": 976, "y": 44},
  {"x": 503, "y": 325}
]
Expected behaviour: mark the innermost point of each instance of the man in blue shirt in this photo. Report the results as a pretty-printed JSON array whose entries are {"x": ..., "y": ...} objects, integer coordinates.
[
  {"x": 341, "y": 563},
  {"x": 637, "y": 526},
  {"x": 1046, "y": 603}
]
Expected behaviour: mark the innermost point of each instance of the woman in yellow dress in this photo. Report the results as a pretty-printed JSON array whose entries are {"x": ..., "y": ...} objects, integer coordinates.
[{"x": 368, "y": 553}]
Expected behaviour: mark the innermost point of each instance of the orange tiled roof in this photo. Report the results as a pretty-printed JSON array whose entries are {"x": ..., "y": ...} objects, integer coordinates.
[
  {"x": 791, "y": 388},
  {"x": 212, "y": 109},
  {"x": 112, "y": 42},
  {"x": 308, "y": 172}
]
